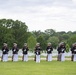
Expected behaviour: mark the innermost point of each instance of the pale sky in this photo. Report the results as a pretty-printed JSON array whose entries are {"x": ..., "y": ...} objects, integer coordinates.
[{"x": 59, "y": 15}]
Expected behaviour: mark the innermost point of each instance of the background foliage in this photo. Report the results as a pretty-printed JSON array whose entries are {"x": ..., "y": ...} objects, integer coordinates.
[{"x": 16, "y": 31}]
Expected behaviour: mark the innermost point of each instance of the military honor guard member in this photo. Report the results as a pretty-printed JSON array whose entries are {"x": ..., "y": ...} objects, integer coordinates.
[
  {"x": 15, "y": 52},
  {"x": 61, "y": 51},
  {"x": 49, "y": 50},
  {"x": 5, "y": 52},
  {"x": 37, "y": 52},
  {"x": 73, "y": 50},
  {"x": 25, "y": 52}
]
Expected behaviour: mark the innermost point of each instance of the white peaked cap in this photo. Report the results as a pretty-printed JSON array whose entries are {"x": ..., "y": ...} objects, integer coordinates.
[
  {"x": 15, "y": 44},
  {"x": 5, "y": 44},
  {"x": 37, "y": 43},
  {"x": 49, "y": 43},
  {"x": 25, "y": 44},
  {"x": 74, "y": 43}
]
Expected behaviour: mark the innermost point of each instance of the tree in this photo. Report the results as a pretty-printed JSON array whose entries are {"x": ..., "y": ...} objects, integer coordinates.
[
  {"x": 36, "y": 33},
  {"x": 13, "y": 31},
  {"x": 74, "y": 32},
  {"x": 54, "y": 40},
  {"x": 65, "y": 37},
  {"x": 16, "y": 31},
  {"x": 19, "y": 32},
  {"x": 60, "y": 35},
  {"x": 67, "y": 48},
  {"x": 42, "y": 42},
  {"x": 50, "y": 32},
  {"x": 62, "y": 32},
  {"x": 69, "y": 32},
  {"x": 3, "y": 31},
  {"x": 71, "y": 40},
  {"x": 31, "y": 42},
  {"x": 9, "y": 38}
]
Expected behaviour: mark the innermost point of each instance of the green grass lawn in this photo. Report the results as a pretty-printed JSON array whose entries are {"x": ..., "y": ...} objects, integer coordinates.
[{"x": 42, "y": 68}]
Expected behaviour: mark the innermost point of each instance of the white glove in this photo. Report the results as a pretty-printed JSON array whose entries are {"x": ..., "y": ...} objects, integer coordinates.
[{"x": 48, "y": 49}]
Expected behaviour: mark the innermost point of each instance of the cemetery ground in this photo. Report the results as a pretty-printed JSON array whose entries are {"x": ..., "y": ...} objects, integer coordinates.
[{"x": 43, "y": 68}]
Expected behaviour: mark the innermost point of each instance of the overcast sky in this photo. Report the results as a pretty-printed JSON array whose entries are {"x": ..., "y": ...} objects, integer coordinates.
[{"x": 59, "y": 15}]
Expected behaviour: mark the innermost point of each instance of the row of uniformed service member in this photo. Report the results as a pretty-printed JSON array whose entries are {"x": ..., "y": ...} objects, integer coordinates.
[
  {"x": 15, "y": 50},
  {"x": 61, "y": 52}
]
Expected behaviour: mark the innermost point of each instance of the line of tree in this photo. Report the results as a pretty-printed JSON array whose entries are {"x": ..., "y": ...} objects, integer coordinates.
[{"x": 16, "y": 31}]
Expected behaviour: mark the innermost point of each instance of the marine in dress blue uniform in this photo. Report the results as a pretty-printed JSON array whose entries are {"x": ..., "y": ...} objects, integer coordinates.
[
  {"x": 61, "y": 51},
  {"x": 15, "y": 50},
  {"x": 25, "y": 52},
  {"x": 5, "y": 52},
  {"x": 73, "y": 51},
  {"x": 49, "y": 50},
  {"x": 37, "y": 52}
]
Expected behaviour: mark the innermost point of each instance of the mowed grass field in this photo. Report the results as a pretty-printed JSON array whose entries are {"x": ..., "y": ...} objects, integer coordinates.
[{"x": 42, "y": 68}]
